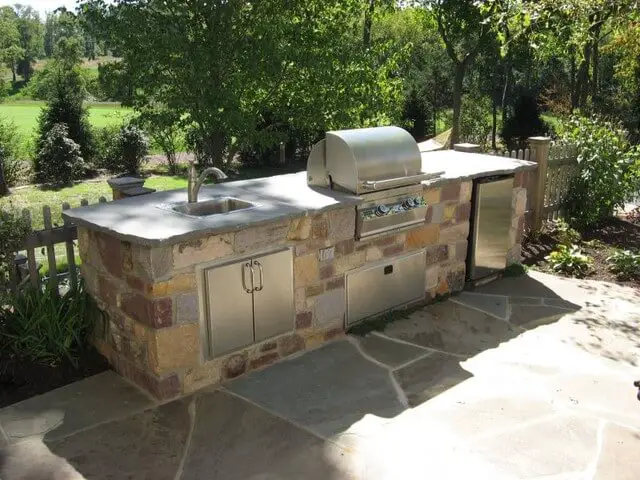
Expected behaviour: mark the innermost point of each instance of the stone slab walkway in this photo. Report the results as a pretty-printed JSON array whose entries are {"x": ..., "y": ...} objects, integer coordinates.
[{"x": 525, "y": 378}]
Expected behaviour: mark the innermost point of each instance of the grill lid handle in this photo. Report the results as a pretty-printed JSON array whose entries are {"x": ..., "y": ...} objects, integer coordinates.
[{"x": 398, "y": 182}]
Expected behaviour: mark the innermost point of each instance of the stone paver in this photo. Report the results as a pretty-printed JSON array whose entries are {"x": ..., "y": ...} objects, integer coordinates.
[
  {"x": 468, "y": 396},
  {"x": 325, "y": 390},
  {"x": 389, "y": 352},
  {"x": 495, "y": 305},
  {"x": 452, "y": 328},
  {"x": 430, "y": 376},
  {"x": 96, "y": 399}
]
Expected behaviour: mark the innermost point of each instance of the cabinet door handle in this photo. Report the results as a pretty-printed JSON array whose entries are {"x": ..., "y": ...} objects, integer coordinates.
[
  {"x": 259, "y": 265},
  {"x": 244, "y": 276}
]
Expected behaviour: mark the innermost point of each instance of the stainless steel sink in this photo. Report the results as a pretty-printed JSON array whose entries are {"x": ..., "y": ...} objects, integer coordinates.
[{"x": 213, "y": 207}]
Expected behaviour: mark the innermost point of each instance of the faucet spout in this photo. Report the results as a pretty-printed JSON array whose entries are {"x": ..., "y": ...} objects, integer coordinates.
[{"x": 195, "y": 181}]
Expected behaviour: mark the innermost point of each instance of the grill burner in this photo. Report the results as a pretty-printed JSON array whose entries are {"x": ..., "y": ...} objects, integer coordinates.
[{"x": 383, "y": 165}]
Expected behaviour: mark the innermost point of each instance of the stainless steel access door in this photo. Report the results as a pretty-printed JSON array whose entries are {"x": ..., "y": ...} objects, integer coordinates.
[
  {"x": 230, "y": 307},
  {"x": 273, "y": 295},
  {"x": 492, "y": 223}
]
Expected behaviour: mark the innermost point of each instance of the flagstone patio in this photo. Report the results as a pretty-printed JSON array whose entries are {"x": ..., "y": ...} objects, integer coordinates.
[{"x": 527, "y": 377}]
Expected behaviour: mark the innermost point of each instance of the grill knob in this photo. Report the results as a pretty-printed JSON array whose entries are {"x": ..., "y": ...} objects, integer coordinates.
[
  {"x": 382, "y": 210},
  {"x": 408, "y": 204}
]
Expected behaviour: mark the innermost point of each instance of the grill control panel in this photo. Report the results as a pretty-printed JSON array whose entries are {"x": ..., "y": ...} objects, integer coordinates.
[{"x": 387, "y": 209}]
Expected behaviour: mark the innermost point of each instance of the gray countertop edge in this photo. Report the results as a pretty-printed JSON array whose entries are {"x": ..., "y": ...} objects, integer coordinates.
[
  {"x": 202, "y": 232},
  {"x": 488, "y": 173}
]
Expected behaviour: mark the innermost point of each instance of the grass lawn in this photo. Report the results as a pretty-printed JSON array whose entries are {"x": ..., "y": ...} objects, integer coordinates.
[
  {"x": 35, "y": 198},
  {"x": 25, "y": 114}
]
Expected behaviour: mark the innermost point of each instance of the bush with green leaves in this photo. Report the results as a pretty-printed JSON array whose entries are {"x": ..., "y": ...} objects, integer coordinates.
[
  {"x": 46, "y": 327},
  {"x": 569, "y": 259},
  {"x": 609, "y": 169},
  {"x": 66, "y": 106},
  {"x": 524, "y": 123},
  {"x": 625, "y": 263},
  {"x": 563, "y": 233},
  {"x": 13, "y": 154},
  {"x": 475, "y": 124},
  {"x": 59, "y": 159},
  {"x": 124, "y": 151},
  {"x": 13, "y": 232}
]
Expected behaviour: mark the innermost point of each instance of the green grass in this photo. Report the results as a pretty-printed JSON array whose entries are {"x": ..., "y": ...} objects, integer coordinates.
[
  {"x": 25, "y": 114},
  {"x": 34, "y": 198}
]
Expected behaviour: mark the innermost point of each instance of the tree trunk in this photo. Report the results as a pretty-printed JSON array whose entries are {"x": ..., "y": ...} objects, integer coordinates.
[
  {"x": 13, "y": 71},
  {"x": 583, "y": 76},
  {"x": 494, "y": 124},
  {"x": 507, "y": 79},
  {"x": 457, "y": 101},
  {"x": 435, "y": 122},
  {"x": 595, "y": 61},
  {"x": 4, "y": 189},
  {"x": 368, "y": 22},
  {"x": 573, "y": 83}
]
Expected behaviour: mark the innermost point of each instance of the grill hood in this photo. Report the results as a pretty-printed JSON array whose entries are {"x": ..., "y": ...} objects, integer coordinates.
[{"x": 365, "y": 160}]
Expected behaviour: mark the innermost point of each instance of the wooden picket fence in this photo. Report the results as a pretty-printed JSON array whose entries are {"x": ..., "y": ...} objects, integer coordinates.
[
  {"x": 49, "y": 238},
  {"x": 557, "y": 165}
]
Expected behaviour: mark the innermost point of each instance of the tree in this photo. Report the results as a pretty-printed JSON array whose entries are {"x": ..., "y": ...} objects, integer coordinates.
[
  {"x": 464, "y": 29},
  {"x": 31, "y": 33},
  {"x": 10, "y": 49},
  {"x": 226, "y": 65}
]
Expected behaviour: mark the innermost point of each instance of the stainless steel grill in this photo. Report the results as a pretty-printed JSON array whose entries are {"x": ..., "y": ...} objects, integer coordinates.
[{"x": 381, "y": 164}]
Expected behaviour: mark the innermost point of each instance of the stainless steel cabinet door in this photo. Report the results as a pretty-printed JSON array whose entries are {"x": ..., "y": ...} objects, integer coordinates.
[
  {"x": 492, "y": 223},
  {"x": 273, "y": 295},
  {"x": 230, "y": 307}
]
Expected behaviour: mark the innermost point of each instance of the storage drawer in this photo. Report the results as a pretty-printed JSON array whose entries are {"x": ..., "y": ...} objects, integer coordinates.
[{"x": 373, "y": 289}]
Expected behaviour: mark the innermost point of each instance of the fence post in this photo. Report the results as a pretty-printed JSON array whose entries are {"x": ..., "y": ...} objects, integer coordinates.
[{"x": 540, "y": 154}]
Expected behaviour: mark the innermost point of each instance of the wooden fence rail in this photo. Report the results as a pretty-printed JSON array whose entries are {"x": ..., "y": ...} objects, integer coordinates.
[{"x": 48, "y": 238}]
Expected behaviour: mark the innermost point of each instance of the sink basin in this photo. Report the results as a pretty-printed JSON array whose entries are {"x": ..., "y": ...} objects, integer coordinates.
[{"x": 213, "y": 207}]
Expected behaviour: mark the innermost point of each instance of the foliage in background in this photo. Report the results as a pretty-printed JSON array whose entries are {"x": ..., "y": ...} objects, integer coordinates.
[
  {"x": 162, "y": 125},
  {"x": 609, "y": 169},
  {"x": 524, "y": 123},
  {"x": 13, "y": 154},
  {"x": 222, "y": 66},
  {"x": 126, "y": 151},
  {"x": 46, "y": 327},
  {"x": 64, "y": 107},
  {"x": 475, "y": 124},
  {"x": 569, "y": 259},
  {"x": 625, "y": 263},
  {"x": 13, "y": 231},
  {"x": 59, "y": 160}
]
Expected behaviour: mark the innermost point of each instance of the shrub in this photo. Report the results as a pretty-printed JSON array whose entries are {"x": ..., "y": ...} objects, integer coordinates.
[
  {"x": 524, "y": 123},
  {"x": 563, "y": 233},
  {"x": 475, "y": 124},
  {"x": 12, "y": 155},
  {"x": 13, "y": 231},
  {"x": 608, "y": 169},
  {"x": 125, "y": 151},
  {"x": 625, "y": 263},
  {"x": 66, "y": 106},
  {"x": 46, "y": 327},
  {"x": 570, "y": 260},
  {"x": 59, "y": 159}
]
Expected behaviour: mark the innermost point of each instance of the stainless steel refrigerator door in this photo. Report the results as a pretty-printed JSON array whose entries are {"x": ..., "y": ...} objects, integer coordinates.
[
  {"x": 229, "y": 307},
  {"x": 492, "y": 224},
  {"x": 273, "y": 296}
]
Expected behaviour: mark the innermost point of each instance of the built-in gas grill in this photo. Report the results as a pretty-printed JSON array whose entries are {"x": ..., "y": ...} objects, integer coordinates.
[{"x": 381, "y": 164}]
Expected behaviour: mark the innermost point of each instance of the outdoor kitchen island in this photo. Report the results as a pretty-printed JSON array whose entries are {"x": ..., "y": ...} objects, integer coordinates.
[{"x": 284, "y": 264}]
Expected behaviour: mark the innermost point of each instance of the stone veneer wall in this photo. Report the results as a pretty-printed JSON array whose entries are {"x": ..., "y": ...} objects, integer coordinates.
[{"x": 151, "y": 331}]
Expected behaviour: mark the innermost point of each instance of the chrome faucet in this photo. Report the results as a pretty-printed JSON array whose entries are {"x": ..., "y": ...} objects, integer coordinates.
[{"x": 195, "y": 181}]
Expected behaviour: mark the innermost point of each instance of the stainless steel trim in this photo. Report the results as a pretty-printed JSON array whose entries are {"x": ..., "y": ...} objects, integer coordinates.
[
  {"x": 244, "y": 283},
  {"x": 316, "y": 166},
  {"x": 261, "y": 277},
  {"x": 397, "y": 182}
]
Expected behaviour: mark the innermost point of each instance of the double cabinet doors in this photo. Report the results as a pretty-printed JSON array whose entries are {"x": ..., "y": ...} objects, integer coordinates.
[{"x": 249, "y": 301}]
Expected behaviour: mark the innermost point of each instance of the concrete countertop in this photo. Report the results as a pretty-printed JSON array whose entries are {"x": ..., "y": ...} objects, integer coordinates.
[
  {"x": 468, "y": 166},
  {"x": 142, "y": 219}
]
